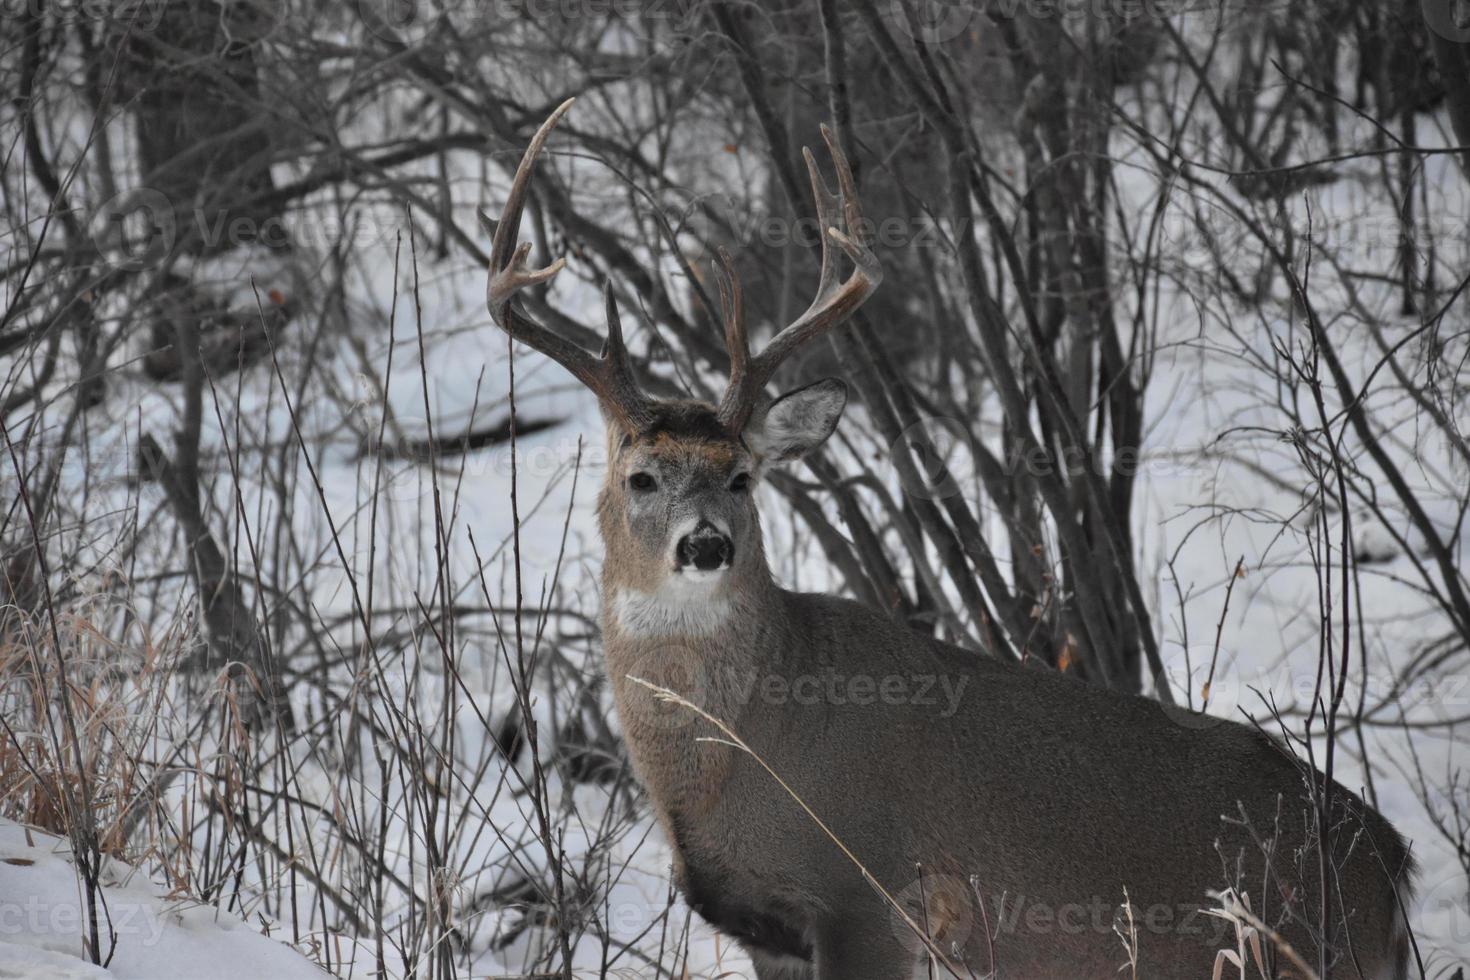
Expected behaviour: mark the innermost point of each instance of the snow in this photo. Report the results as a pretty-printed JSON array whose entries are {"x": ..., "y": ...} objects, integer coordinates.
[{"x": 42, "y": 921}]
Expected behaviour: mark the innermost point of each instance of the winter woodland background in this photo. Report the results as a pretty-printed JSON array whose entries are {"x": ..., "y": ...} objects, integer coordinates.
[{"x": 1165, "y": 386}]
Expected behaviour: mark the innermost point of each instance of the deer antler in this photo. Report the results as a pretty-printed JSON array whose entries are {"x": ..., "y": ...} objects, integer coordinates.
[
  {"x": 835, "y": 301},
  {"x": 609, "y": 376}
]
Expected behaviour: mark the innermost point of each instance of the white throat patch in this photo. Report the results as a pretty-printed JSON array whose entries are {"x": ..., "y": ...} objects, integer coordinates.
[{"x": 684, "y": 605}]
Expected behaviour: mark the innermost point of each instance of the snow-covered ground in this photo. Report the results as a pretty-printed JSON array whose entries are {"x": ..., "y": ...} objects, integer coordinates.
[{"x": 42, "y": 920}]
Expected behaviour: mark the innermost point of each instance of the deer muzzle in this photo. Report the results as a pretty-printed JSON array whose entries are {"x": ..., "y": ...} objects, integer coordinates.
[{"x": 705, "y": 548}]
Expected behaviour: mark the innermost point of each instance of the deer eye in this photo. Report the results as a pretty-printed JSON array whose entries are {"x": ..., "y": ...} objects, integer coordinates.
[
  {"x": 642, "y": 482},
  {"x": 741, "y": 483}
]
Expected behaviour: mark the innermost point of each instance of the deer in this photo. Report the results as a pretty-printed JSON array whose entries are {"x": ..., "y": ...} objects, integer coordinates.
[{"x": 851, "y": 799}]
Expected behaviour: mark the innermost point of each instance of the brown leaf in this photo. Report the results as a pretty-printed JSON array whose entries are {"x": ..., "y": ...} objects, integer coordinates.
[{"x": 1068, "y": 656}]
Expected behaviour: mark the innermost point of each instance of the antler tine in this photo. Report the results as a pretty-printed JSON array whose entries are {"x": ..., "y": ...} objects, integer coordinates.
[
  {"x": 623, "y": 394},
  {"x": 610, "y": 376},
  {"x": 509, "y": 272},
  {"x": 829, "y": 214},
  {"x": 852, "y": 211},
  {"x": 732, "y": 309},
  {"x": 834, "y": 302}
]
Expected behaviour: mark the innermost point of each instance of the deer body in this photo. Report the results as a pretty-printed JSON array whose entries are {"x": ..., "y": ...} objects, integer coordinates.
[
  {"x": 992, "y": 819},
  {"x": 1024, "y": 814}
]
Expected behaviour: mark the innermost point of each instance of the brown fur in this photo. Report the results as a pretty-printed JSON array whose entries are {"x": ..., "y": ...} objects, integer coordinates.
[{"x": 1037, "y": 790}]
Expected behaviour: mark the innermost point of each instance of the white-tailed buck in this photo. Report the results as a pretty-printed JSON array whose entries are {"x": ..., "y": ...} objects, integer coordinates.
[{"x": 995, "y": 820}]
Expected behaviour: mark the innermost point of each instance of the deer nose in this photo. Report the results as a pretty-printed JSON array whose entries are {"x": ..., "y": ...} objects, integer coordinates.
[{"x": 705, "y": 548}]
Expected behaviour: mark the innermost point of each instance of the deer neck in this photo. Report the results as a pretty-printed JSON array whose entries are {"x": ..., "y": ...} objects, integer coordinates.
[
  {"x": 705, "y": 646},
  {"x": 675, "y": 613}
]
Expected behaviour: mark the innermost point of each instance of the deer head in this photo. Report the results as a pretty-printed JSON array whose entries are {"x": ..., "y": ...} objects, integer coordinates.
[{"x": 676, "y": 511}]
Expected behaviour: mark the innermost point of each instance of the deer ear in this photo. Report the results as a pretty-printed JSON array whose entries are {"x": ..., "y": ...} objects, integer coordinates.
[{"x": 797, "y": 422}]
